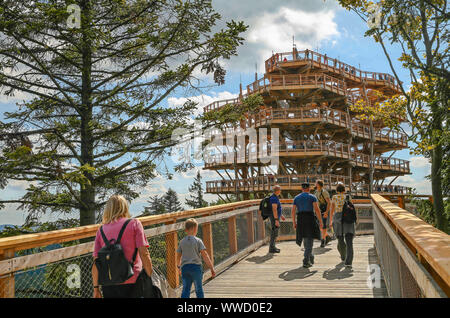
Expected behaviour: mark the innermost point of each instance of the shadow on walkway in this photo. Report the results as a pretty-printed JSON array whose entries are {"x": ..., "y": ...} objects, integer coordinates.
[
  {"x": 260, "y": 259},
  {"x": 321, "y": 250},
  {"x": 298, "y": 273},
  {"x": 338, "y": 272}
]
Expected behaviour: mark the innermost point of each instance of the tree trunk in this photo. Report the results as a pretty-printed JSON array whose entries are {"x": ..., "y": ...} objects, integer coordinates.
[
  {"x": 371, "y": 172},
  {"x": 436, "y": 188},
  {"x": 87, "y": 191}
]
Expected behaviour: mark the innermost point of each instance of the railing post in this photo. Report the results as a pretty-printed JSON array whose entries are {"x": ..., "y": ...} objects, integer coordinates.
[
  {"x": 232, "y": 237},
  {"x": 250, "y": 228},
  {"x": 171, "y": 258},
  {"x": 208, "y": 239},
  {"x": 7, "y": 284},
  {"x": 401, "y": 202}
]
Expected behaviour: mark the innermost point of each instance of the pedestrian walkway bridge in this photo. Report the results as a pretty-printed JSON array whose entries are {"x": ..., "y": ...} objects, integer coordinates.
[
  {"x": 395, "y": 250},
  {"x": 261, "y": 274}
]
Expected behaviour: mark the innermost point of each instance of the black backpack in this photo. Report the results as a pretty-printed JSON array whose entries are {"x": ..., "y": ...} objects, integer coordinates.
[
  {"x": 113, "y": 267},
  {"x": 265, "y": 207},
  {"x": 348, "y": 212}
]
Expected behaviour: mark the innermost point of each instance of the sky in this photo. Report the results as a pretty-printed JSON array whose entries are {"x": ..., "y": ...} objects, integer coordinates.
[{"x": 320, "y": 25}]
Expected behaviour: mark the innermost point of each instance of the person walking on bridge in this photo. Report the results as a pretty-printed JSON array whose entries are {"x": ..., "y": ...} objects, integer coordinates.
[
  {"x": 275, "y": 218},
  {"x": 309, "y": 222},
  {"x": 324, "y": 205},
  {"x": 345, "y": 232}
]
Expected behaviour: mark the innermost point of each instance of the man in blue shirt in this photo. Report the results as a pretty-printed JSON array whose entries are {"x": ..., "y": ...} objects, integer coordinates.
[
  {"x": 275, "y": 218},
  {"x": 307, "y": 229}
]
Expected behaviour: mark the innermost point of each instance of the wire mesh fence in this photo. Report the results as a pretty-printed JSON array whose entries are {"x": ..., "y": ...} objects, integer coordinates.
[
  {"x": 220, "y": 241},
  {"x": 63, "y": 279},
  {"x": 72, "y": 277},
  {"x": 398, "y": 278}
]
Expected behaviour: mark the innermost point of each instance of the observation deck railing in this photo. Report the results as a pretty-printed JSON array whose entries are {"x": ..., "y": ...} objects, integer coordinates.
[
  {"x": 332, "y": 65},
  {"x": 312, "y": 114},
  {"x": 307, "y": 148}
]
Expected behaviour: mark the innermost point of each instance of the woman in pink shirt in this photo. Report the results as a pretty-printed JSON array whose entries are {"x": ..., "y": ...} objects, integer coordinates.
[{"x": 114, "y": 216}]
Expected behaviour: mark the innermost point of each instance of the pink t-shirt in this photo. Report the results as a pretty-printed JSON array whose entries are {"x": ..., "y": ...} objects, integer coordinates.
[{"x": 133, "y": 237}]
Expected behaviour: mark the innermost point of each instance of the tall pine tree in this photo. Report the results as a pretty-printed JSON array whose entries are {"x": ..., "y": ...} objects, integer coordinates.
[
  {"x": 156, "y": 206},
  {"x": 96, "y": 73},
  {"x": 171, "y": 202},
  {"x": 196, "y": 200}
]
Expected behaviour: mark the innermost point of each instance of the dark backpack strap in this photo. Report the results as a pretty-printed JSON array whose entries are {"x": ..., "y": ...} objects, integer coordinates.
[
  {"x": 134, "y": 256},
  {"x": 105, "y": 239},
  {"x": 122, "y": 230}
]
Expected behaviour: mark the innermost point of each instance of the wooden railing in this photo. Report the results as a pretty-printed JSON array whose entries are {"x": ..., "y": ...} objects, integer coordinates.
[
  {"x": 238, "y": 225},
  {"x": 165, "y": 231},
  {"x": 362, "y": 189},
  {"x": 266, "y": 183},
  {"x": 305, "y": 148},
  {"x": 275, "y": 82},
  {"x": 221, "y": 103},
  {"x": 293, "y": 182},
  {"x": 394, "y": 164},
  {"x": 332, "y": 65},
  {"x": 414, "y": 256},
  {"x": 303, "y": 114}
]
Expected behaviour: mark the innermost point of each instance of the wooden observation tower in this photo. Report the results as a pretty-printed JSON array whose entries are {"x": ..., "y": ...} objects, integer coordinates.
[{"x": 307, "y": 97}]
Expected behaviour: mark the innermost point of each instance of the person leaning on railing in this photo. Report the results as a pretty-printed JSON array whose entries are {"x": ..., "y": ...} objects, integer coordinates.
[{"x": 116, "y": 213}]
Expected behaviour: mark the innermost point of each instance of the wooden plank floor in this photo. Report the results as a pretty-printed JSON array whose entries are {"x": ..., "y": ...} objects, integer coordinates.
[{"x": 261, "y": 274}]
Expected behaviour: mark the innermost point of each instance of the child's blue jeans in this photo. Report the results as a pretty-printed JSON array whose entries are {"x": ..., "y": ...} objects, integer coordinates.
[{"x": 192, "y": 273}]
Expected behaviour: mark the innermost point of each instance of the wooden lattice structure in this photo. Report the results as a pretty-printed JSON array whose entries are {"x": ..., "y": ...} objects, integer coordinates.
[{"x": 307, "y": 96}]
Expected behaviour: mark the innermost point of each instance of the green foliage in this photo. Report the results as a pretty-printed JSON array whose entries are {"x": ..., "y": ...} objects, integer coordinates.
[
  {"x": 425, "y": 211},
  {"x": 421, "y": 29},
  {"x": 156, "y": 206},
  {"x": 94, "y": 126},
  {"x": 230, "y": 114},
  {"x": 33, "y": 226},
  {"x": 171, "y": 202},
  {"x": 195, "y": 200}
]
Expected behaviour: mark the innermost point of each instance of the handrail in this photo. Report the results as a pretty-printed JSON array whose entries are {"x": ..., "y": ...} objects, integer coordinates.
[
  {"x": 336, "y": 65},
  {"x": 319, "y": 113},
  {"x": 220, "y": 103},
  {"x": 323, "y": 113},
  {"x": 309, "y": 147},
  {"x": 430, "y": 245},
  {"x": 317, "y": 80},
  {"x": 26, "y": 241},
  {"x": 28, "y": 275},
  {"x": 266, "y": 182}
]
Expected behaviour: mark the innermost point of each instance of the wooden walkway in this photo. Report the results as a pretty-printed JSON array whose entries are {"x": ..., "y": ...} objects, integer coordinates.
[{"x": 261, "y": 274}]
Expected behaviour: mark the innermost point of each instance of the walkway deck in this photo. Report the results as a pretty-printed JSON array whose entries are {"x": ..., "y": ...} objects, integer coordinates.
[{"x": 281, "y": 275}]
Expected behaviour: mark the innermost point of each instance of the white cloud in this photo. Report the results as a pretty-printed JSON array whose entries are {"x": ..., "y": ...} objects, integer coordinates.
[
  {"x": 202, "y": 100},
  {"x": 419, "y": 162},
  {"x": 272, "y": 25},
  {"x": 422, "y": 186}
]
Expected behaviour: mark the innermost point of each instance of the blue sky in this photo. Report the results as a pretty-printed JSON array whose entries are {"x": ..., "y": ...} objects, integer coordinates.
[{"x": 314, "y": 24}]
